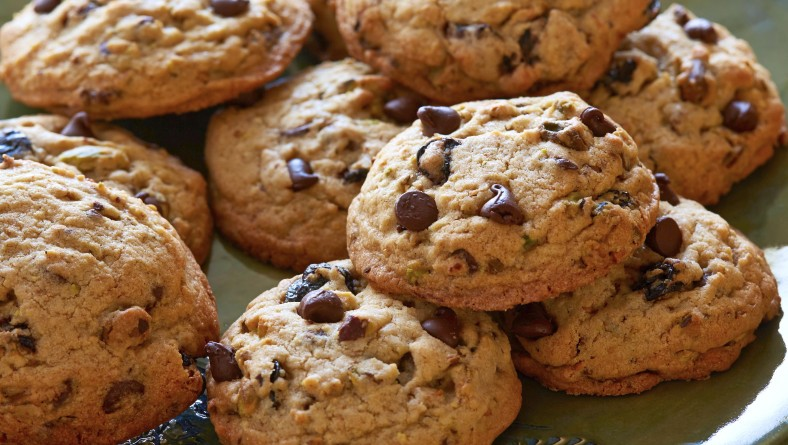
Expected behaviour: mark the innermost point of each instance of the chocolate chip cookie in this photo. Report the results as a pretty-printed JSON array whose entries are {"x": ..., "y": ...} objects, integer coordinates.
[
  {"x": 453, "y": 51},
  {"x": 324, "y": 358},
  {"x": 283, "y": 172},
  {"x": 695, "y": 100},
  {"x": 683, "y": 306},
  {"x": 127, "y": 58},
  {"x": 109, "y": 154},
  {"x": 102, "y": 310},
  {"x": 497, "y": 203}
]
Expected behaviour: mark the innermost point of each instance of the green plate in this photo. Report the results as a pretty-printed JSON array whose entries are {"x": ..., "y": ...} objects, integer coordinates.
[{"x": 747, "y": 404}]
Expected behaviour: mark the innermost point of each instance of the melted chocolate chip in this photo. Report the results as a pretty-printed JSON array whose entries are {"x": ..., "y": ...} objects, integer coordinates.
[
  {"x": 27, "y": 342},
  {"x": 355, "y": 175},
  {"x": 416, "y": 210},
  {"x": 619, "y": 198},
  {"x": 301, "y": 174},
  {"x": 45, "y": 6},
  {"x": 224, "y": 368},
  {"x": 310, "y": 280},
  {"x": 680, "y": 15},
  {"x": 658, "y": 279},
  {"x": 665, "y": 237},
  {"x": 701, "y": 29},
  {"x": 321, "y": 306},
  {"x": 352, "y": 329},
  {"x": 594, "y": 119},
  {"x": 503, "y": 208},
  {"x": 14, "y": 143},
  {"x": 434, "y": 159},
  {"x": 665, "y": 192},
  {"x": 695, "y": 87},
  {"x": 470, "y": 261},
  {"x": 740, "y": 116},
  {"x": 403, "y": 109},
  {"x": 444, "y": 326},
  {"x": 566, "y": 164},
  {"x": 532, "y": 321},
  {"x": 443, "y": 120},
  {"x": 186, "y": 360},
  {"x": 230, "y": 8},
  {"x": 622, "y": 71},
  {"x": 276, "y": 372},
  {"x": 350, "y": 282},
  {"x": 527, "y": 43},
  {"x": 119, "y": 391},
  {"x": 149, "y": 199}
]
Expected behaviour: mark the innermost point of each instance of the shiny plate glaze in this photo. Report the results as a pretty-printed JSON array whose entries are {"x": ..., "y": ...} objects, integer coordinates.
[{"x": 747, "y": 404}]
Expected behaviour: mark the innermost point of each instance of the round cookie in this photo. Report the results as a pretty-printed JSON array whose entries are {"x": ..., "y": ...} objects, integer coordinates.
[
  {"x": 655, "y": 317},
  {"x": 508, "y": 202},
  {"x": 326, "y": 41},
  {"x": 109, "y": 154},
  {"x": 102, "y": 309},
  {"x": 695, "y": 100},
  {"x": 131, "y": 58},
  {"x": 283, "y": 172},
  {"x": 359, "y": 366},
  {"x": 461, "y": 50}
]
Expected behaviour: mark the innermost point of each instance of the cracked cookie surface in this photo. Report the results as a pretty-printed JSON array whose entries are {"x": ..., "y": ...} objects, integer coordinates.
[
  {"x": 654, "y": 318},
  {"x": 512, "y": 201},
  {"x": 109, "y": 154},
  {"x": 102, "y": 309},
  {"x": 459, "y": 50},
  {"x": 695, "y": 100},
  {"x": 383, "y": 372},
  {"x": 284, "y": 171},
  {"x": 129, "y": 58}
]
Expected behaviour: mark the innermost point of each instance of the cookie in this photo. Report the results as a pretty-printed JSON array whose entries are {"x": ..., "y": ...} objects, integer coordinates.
[
  {"x": 109, "y": 154},
  {"x": 695, "y": 100},
  {"x": 496, "y": 203},
  {"x": 283, "y": 172},
  {"x": 102, "y": 309},
  {"x": 455, "y": 51},
  {"x": 326, "y": 41},
  {"x": 325, "y": 359},
  {"x": 126, "y": 58},
  {"x": 683, "y": 306}
]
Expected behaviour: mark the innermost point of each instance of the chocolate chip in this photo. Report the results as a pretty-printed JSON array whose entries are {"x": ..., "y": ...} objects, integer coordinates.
[
  {"x": 701, "y": 29},
  {"x": 532, "y": 321},
  {"x": 276, "y": 372},
  {"x": 186, "y": 360},
  {"x": 352, "y": 329},
  {"x": 594, "y": 119},
  {"x": 434, "y": 159},
  {"x": 619, "y": 198},
  {"x": 142, "y": 326},
  {"x": 119, "y": 391},
  {"x": 443, "y": 120},
  {"x": 355, "y": 175},
  {"x": 224, "y": 368},
  {"x": 310, "y": 280},
  {"x": 740, "y": 116},
  {"x": 403, "y": 109},
  {"x": 569, "y": 136},
  {"x": 416, "y": 210},
  {"x": 680, "y": 15},
  {"x": 470, "y": 261},
  {"x": 152, "y": 200},
  {"x": 64, "y": 394},
  {"x": 566, "y": 164},
  {"x": 230, "y": 8},
  {"x": 503, "y": 208},
  {"x": 444, "y": 326},
  {"x": 27, "y": 342},
  {"x": 695, "y": 87},
  {"x": 622, "y": 71},
  {"x": 658, "y": 279},
  {"x": 297, "y": 131},
  {"x": 665, "y": 192},
  {"x": 665, "y": 237},
  {"x": 14, "y": 143},
  {"x": 350, "y": 282},
  {"x": 527, "y": 43},
  {"x": 301, "y": 174},
  {"x": 321, "y": 306},
  {"x": 45, "y": 6}
]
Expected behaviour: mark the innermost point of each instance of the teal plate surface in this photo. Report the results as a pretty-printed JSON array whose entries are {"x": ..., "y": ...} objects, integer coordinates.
[{"x": 746, "y": 405}]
